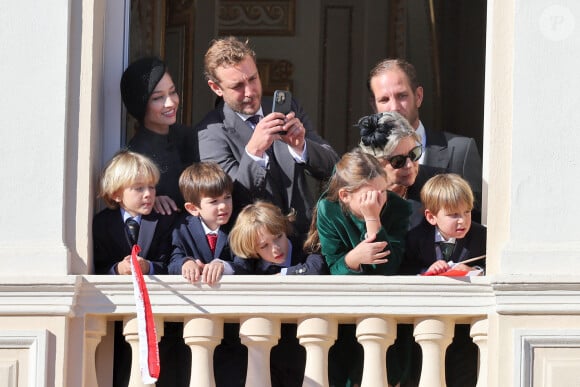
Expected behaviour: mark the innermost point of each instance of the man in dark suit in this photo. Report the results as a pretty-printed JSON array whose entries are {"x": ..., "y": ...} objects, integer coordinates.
[
  {"x": 267, "y": 154},
  {"x": 394, "y": 86}
]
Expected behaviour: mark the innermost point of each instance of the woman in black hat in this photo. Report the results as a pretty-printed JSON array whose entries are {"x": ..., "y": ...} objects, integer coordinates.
[{"x": 150, "y": 96}]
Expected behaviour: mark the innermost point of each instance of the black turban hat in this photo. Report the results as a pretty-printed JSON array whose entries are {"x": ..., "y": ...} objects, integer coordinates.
[{"x": 138, "y": 82}]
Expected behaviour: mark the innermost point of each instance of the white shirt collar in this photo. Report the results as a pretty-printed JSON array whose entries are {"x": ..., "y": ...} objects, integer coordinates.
[
  {"x": 421, "y": 132},
  {"x": 244, "y": 117},
  {"x": 207, "y": 230},
  {"x": 440, "y": 238}
]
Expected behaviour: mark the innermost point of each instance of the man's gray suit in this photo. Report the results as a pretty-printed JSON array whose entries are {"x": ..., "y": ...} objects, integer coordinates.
[
  {"x": 450, "y": 153},
  {"x": 223, "y": 136}
]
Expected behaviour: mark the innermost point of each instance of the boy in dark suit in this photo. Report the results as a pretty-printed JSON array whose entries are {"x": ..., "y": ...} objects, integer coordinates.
[
  {"x": 262, "y": 243},
  {"x": 200, "y": 247},
  {"x": 447, "y": 233},
  {"x": 128, "y": 188}
]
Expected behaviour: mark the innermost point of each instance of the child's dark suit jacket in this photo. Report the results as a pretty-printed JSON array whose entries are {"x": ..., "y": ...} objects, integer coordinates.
[
  {"x": 111, "y": 243},
  {"x": 190, "y": 241},
  {"x": 422, "y": 251},
  {"x": 302, "y": 264}
]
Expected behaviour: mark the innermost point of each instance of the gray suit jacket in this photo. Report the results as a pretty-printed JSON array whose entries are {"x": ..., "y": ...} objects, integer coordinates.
[
  {"x": 223, "y": 136},
  {"x": 450, "y": 153}
]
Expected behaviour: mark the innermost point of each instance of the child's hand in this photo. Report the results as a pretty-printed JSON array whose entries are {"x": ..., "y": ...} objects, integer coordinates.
[
  {"x": 124, "y": 267},
  {"x": 371, "y": 203},
  {"x": 440, "y": 266},
  {"x": 370, "y": 206},
  {"x": 191, "y": 270},
  {"x": 144, "y": 264},
  {"x": 367, "y": 252},
  {"x": 212, "y": 272}
]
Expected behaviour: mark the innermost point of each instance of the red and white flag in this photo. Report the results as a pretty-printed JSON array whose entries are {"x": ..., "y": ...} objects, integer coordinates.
[{"x": 148, "y": 350}]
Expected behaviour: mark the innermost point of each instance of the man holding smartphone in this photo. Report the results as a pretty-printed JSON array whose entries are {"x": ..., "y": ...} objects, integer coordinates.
[{"x": 266, "y": 153}]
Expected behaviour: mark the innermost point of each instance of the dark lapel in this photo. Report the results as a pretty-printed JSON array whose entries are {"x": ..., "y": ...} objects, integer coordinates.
[
  {"x": 461, "y": 252},
  {"x": 146, "y": 233},
  {"x": 118, "y": 231},
  {"x": 430, "y": 249},
  {"x": 198, "y": 235},
  {"x": 437, "y": 153},
  {"x": 221, "y": 242}
]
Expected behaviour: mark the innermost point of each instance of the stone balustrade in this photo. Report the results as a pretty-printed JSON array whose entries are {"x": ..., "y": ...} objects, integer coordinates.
[{"x": 317, "y": 305}]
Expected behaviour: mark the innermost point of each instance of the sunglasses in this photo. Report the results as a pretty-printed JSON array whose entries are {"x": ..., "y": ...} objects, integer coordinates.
[{"x": 399, "y": 161}]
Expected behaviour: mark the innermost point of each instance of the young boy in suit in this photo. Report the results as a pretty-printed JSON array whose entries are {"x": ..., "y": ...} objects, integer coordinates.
[
  {"x": 262, "y": 242},
  {"x": 200, "y": 246},
  {"x": 447, "y": 233},
  {"x": 127, "y": 186}
]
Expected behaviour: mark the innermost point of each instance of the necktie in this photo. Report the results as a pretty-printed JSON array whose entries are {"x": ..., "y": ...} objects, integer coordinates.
[
  {"x": 253, "y": 121},
  {"x": 446, "y": 249},
  {"x": 278, "y": 197},
  {"x": 212, "y": 240},
  {"x": 133, "y": 228}
]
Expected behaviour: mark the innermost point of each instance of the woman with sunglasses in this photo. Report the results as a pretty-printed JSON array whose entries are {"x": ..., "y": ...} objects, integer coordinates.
[{"x": 390, "y": 138}]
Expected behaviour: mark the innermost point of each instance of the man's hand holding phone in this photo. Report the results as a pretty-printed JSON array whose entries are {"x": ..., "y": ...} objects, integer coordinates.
[
  {"x": 282, "y": 124},
  {"x": 282, "y": 103}
]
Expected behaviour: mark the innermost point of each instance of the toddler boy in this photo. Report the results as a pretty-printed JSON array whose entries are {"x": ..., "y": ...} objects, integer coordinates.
[{"x": 447, "y": 233}]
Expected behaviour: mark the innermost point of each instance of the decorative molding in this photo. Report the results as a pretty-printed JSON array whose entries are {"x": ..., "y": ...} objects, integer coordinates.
[
  {"x": 179, "y": 37},
  {"x": 38, "y": 296},
  {"x": 350, "y": 296},
  {"x": 256, "y": 17},
  {"x": 146, "y": 28},
  {"x": 36, "y": 344},
  {"x": 9, "y": 373},
  {"x": 397, "y": 29},
  {"x": 526, "y": 341},
  {"x": 180, "y": 6},
  {"x": 275, "y": 75}
]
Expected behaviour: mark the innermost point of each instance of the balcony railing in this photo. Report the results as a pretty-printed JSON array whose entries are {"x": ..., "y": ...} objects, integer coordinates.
[{"x": 317, "y": 304}]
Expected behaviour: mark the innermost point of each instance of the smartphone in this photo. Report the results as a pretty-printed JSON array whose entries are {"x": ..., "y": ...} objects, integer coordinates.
[{"x": 282, "y": 103}]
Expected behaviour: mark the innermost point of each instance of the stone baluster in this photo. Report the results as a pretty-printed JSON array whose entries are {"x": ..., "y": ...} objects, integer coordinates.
[
  {"x": 316, "y": 335},
  {"x": 433, "y": 335},
  {"x": 479, "y": 332},
  {"x": 131, "y": 333},
  {"x": 375, "y": 334},
  {"x": 95, "y": 329},
  {"x": 202, "y": 335},
  {"x": 259, "y": 334}
]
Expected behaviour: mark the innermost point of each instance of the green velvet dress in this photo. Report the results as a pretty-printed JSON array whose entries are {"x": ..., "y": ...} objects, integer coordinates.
[{"x": 339, "y": 233}]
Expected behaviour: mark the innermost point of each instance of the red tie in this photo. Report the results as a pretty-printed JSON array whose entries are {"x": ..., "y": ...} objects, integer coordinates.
[{"x": 212, "y": 240}]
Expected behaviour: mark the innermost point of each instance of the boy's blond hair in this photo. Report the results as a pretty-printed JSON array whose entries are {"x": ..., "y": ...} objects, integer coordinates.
[
  {"x": 251, "y": 220},
  {"x": 447, "y": 191},
  {"x": 122, "y": 171},
  {"x": 204, "y": 179}
]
